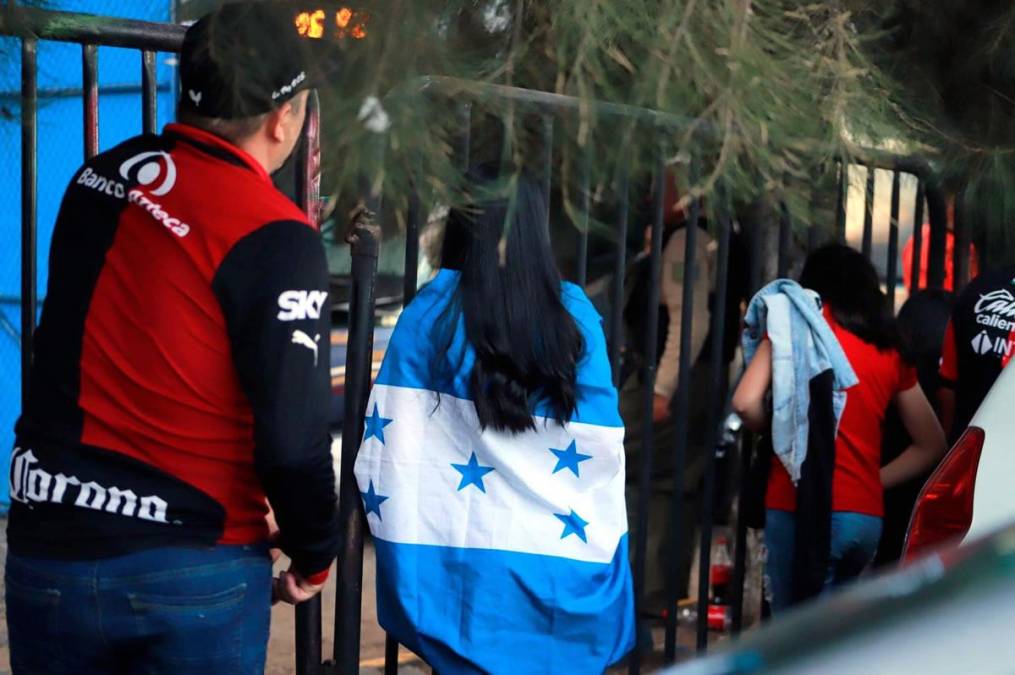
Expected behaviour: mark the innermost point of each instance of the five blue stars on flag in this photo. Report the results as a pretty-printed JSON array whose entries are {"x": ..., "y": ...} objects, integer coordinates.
[{"x": 473, "y": 473}]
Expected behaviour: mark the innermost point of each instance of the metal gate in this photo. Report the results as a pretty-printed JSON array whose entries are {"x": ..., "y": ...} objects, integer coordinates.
[{"x": 549, "y": 112}]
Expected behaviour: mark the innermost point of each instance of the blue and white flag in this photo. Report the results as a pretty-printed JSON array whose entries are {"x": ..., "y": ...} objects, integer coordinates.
[{"x": 496, "y": 552}]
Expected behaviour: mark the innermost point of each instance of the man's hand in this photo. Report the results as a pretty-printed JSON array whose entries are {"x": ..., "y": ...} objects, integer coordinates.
[
  {"x": 660, "y": 408},
  {"x": 292, "y": 588}
]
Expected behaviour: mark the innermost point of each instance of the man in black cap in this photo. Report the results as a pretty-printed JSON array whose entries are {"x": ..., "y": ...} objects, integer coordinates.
[{"x": 180, "y": 384}]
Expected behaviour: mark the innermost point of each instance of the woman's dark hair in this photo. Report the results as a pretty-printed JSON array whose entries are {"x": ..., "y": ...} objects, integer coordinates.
[
  {"x": 527, "y": 344},
  {"x": 849, "y": 284}
]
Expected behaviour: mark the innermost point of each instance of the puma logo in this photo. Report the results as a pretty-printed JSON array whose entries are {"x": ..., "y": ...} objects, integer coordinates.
[
  {"x": 196, "y": 97},
  {"x": 302, "y": 339}
]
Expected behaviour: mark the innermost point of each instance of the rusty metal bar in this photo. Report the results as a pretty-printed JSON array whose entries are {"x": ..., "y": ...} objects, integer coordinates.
[
  {"x": 90, "y": 29},
  {"x": 937, "y": 208},
  {"x": 892, "y": 268},
  {"x": 785, "y": 240},
  {"x": 916, "y": 265},
  {"x": 616, "y": 344},
  {"x": 29, "y": 204},
  {"x": 149, "y": 92},
  {"x": 868, "y": 214},
  {"x": 90, "y": 94},
  {"x": 840, "y": 202},
  {"x": 585, "y": 197},
  {"x": 960, "y": 252}
]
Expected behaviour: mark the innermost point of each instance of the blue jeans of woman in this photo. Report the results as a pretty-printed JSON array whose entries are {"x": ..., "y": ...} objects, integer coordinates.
[
  {"x": 164, "y": 610},
  {"x": 855, "y": 539}
]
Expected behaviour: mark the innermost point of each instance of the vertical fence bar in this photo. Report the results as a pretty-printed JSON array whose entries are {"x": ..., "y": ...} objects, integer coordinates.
[
  {"x": 868, "y": 213},
  {"x": 916, "y": 265},
  {"x": 616, "y": 344},
  {"x": 892, "y": 267},
  {"x": 308, "y": 181},
  {"x": 647, "y": 446},
  {"x": 840, "y": 202},
  {"x": 29, "y": 203},
  {"x": 740, "y": 543},
  {"x": 412, "y": 227},
  {"x": 682, "y": 413},
  {"x": 714, "y": 417},
  {"x": 90, "y": 98},
  {"x": 390, "y": 655},
  {"x": 149, "y": 92},
  {"x": 364, "y": 243},
  {"x": 547, "y": 168},
  {"x": 785, "y": 239},
  {"x": 960, "y": 252},
  {"x": 585, "y": 195},
  {"x": 308, "y": 637},
  {"x": 464, "y": 137},
  {"x": 937, "y": 208}
]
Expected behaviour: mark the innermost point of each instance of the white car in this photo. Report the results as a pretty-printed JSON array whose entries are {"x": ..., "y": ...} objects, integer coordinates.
[{"x": 971, "y": 493}]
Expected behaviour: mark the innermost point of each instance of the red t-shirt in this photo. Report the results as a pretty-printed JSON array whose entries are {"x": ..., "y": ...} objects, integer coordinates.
[{"x": 856, "y": 482}]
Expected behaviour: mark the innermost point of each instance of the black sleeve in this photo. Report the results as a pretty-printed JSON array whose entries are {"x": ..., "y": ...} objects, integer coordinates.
[{"x": 273, "y": 288}]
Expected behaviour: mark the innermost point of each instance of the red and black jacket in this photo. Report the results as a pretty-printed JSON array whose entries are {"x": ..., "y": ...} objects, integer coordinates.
[{"x": 181, "y": 368}]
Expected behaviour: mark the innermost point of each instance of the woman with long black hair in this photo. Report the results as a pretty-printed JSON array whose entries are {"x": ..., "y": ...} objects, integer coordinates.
[
  {"x": 492, "y": 467},
  {"x": 850, "y": 299}
]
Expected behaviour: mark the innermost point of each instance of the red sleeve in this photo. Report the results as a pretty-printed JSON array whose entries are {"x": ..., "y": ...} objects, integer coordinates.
[
  {"x": 907, "y": 376},
  {"x": 949, "y": 369}
]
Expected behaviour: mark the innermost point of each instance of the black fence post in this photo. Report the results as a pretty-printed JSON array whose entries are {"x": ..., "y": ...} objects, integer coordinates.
[
  {"x": 785, "y": 240},
  {"x": 616, "y": 334},
  {"x": 585, "y": 197},
  {"x": 916, "y": 265},
  {"x": 682, "y": 413},
  {"x": 29, "y": 203},
  {"x": 647, "y": 446},
  {"x": 714, "y": 418},
  {"x": 842, "y": 183},
  {"x": 960, "y": 252},
  {"x": 740, "y": 544},
  {"x": 868, "y": 214},
  {"x": 149, "y": 92},
  {"x": 938, "y": 208},
  {"x": 365, "y": 242},
  {"x": 90, "y": 98},
  {"x": 892, "y": 268},
  {"x": 309, "y": 623}
]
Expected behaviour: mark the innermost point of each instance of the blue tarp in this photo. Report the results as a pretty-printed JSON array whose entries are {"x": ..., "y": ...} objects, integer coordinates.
[{"x": 61, "y": 151}]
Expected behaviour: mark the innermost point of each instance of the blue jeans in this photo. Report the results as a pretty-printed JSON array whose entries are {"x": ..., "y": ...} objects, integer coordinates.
[
  {"x": 855, "y": 538},
  {"x": 165, "y": 610}
]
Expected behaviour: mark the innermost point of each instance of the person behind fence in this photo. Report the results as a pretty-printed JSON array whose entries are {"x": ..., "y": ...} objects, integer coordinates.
[
  {"x": 978, "y": 343},
  {"x": 492, "y": 467},
  {"x": 179, "y": 379},
  {"x": 824, "y": 364}
]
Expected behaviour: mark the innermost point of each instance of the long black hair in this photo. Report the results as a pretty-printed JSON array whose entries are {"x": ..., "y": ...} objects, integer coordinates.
[
  {"x": 848, "y": 282},
  {"x": 527, "y": 344}
]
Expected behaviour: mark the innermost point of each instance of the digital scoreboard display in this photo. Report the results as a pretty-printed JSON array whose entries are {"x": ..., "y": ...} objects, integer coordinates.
[{"x": 338, "y": 24}]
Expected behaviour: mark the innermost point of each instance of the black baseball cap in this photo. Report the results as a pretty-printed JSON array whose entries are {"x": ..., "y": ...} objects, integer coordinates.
[{"x": 244, "y": 59}]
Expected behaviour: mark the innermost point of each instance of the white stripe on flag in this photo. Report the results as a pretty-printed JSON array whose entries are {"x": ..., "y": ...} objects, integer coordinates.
[{"x": 533, "y": 501}]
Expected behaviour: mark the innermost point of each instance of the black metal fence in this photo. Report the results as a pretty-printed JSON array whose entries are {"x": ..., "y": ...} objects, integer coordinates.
[{"x": 551, "y": 112}]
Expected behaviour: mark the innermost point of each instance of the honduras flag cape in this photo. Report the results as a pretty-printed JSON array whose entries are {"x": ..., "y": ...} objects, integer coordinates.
[{"x": 496, "y": 553}]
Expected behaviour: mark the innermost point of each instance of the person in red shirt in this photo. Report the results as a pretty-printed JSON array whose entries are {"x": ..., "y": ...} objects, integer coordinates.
[
  {"x": 949, "y": 280},
  {"x": 857, "y": 312}
]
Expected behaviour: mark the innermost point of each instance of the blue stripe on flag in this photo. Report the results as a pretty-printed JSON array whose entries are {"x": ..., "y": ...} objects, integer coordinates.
[
  {"x": 475, "y": 610},
  {"x": 411, "y": 355}
]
